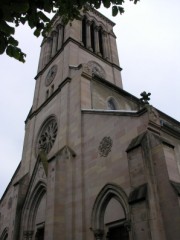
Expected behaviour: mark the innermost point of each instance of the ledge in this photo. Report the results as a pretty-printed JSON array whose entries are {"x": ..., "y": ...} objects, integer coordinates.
[
  {"x": 115, "y": 112},
  {"x": 170, "y": 128}
]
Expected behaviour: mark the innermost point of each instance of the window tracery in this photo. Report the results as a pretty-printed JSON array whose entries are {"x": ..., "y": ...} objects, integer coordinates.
[{"x": 47, "y": 135}]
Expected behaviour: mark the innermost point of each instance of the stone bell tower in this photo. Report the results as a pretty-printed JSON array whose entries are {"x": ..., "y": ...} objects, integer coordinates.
[
  {"x": 70, "y": 56},
  {"x": 48, "y": 184},
  {"x": 97, "y": 162}
]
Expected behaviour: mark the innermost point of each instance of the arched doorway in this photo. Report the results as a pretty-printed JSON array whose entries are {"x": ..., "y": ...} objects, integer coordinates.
[
  {"x": 110, "y": 216},
  {"x": 34, "y": 214},
  {"x": 114, "y": 221}
]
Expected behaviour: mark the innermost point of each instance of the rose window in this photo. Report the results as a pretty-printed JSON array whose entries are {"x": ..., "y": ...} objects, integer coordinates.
[{"x": 47, "y": 136}]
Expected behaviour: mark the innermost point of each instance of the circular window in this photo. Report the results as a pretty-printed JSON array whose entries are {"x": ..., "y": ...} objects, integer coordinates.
[{"x": 47, "y": 136}]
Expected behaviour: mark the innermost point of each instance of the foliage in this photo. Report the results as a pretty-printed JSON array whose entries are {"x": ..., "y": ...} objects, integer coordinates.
[{"x": 34, "y": 13}]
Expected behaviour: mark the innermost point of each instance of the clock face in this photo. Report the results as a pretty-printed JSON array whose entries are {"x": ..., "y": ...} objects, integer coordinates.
[{"x": 51, "y": 75}]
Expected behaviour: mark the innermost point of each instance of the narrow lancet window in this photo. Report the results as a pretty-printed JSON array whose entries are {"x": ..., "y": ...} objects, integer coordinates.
[
  {"x": 100, "y": 41},
  {"x": 92, "y": 36},
  {"x": 84, "y": 31}
]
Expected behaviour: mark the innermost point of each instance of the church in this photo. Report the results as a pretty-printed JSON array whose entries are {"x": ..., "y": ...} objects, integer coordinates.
[{"x": 97, "y": 163}]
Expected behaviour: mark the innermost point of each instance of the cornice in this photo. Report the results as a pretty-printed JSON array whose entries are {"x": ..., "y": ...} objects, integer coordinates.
[
  {"x": 97, "y": 13},
  {"x": 114, "y": 112},
  {"x": 82, "y": 47},
  {"x": 170, "y": 129}
]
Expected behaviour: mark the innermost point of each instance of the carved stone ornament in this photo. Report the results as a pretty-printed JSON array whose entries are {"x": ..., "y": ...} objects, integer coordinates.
[
  {"x": 41, "y": 172},
  {"x": 87, "y": 69},
  {"x": 51, "y": 75},
  {"x": 47, "y": 136},
  {"x": 105, "y": 146},
  {"x": 96, "y": 69}
]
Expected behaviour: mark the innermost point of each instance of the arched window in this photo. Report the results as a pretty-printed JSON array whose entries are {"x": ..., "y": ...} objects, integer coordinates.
[
  {"x": 60, "y": 29},
  {"x": 110, "y": 215},
  {"x": 101, "y": 41},
  {"x": 112, "y": 104},
  {"x": 92, "y": 36}
]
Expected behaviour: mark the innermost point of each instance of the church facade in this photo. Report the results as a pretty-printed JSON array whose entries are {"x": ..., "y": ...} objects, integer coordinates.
[{"x": 97, "y": 163}]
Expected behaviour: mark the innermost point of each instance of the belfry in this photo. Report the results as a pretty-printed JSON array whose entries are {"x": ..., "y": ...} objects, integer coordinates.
[{"x": 97, "y": 163}]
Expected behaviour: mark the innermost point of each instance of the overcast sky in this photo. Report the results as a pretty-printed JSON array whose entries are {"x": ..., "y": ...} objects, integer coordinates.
[{"x": 148, "y": 37}]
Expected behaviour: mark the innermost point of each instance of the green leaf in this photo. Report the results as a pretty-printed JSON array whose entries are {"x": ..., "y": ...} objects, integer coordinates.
[
  {"x": 23, "y": 20},
  {"x": 4, "y": 27},
  {"x": 20, "y": 7},
  {"x": 117, "y": 2},
  {"x": 121, "y": 9},
  {"x": 48, "y": 6},
  {"x": 114, "y": 11},
  {"x": 12, "y": 41},
  {"x": 43, "y": 17},
  {"x": 97, "y": 4},
  {"x": 3, "y": 44},
  {"x": 15, "y": 53},
  {"x": 107, "y": 3},
  {"x": 37, "y": 32},
  {"x": 9, "y": 51}
]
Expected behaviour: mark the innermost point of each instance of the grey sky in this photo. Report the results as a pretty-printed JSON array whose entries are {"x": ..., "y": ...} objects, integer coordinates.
[{"x": 148, "y": 37}]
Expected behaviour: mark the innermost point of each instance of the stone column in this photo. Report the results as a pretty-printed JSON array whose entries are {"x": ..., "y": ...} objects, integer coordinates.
[
  {"x": 60, "y": 36},
  {"x": 54, "y": 43},
  {"x": 104, "y": 44},
  {"x": 88, "y": 35},
  {"x": 97, "y": 40}
]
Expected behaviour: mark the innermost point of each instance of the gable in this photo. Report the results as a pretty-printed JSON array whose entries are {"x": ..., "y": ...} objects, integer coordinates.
[
  {"x": 102, "y": 93},
  {"x": 38, "y": 176}
]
